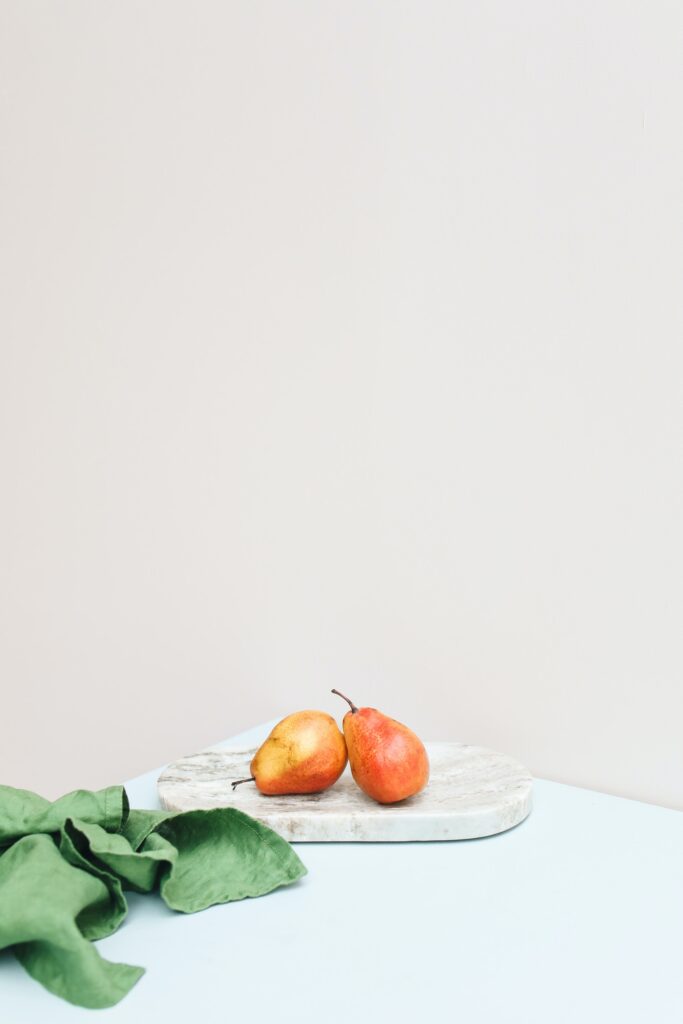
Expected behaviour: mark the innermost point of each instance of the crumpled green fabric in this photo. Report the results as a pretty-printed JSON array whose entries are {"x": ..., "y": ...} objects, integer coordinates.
[{"x": 64, "y": 867}]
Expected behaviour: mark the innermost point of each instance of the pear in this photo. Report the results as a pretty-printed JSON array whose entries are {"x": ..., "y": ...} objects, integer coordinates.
[
  {"x": 304, "y": 753},
  {"x": 388, "y": 761}
]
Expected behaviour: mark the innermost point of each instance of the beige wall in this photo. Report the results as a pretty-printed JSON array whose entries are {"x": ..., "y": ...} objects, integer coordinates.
[{"x": 341, "y": 345}]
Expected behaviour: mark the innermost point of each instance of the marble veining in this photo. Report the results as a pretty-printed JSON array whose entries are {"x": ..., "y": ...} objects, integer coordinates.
[{"x": 472, "y": 792}]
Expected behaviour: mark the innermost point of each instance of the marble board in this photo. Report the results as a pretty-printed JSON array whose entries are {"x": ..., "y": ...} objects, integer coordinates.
[{"x": 472, "y": 792}]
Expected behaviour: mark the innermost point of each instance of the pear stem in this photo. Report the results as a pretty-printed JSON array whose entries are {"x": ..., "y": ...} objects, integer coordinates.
[
  {"x": 240, "y": 781},
  {"x": 349, "y": 702}
]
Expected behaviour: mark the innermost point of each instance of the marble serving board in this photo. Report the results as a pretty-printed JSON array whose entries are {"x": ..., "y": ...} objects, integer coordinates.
[{"x": 472, "y": 792}]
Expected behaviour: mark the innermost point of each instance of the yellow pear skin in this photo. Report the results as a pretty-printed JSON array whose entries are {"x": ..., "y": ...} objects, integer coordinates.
[{"x": 304, "y": 753}]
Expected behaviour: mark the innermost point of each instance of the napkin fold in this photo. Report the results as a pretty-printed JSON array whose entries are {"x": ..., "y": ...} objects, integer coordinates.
[{"x": 64, "y": 867}]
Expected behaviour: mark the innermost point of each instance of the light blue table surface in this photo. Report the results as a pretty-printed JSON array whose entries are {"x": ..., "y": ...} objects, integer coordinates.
[{"x": 574, "y": 916}]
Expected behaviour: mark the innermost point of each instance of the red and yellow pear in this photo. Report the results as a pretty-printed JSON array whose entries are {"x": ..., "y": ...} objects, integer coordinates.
[
  {"x": 304, "y": 753},
  {"x": 388, "y": 761}
]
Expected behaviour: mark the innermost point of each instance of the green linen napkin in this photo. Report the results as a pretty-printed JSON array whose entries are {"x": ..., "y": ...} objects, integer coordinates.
[{"x": 64, "y": 867}]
